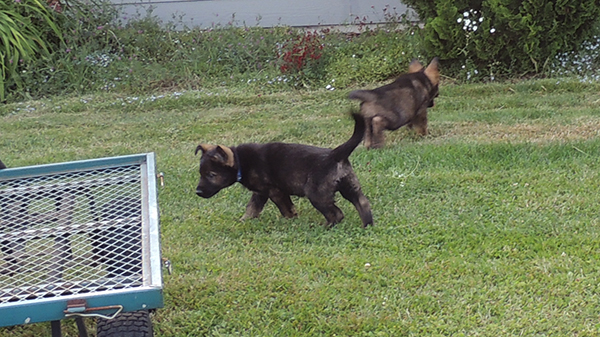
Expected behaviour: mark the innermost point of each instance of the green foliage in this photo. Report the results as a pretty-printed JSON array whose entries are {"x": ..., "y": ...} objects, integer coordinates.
[
  {"x": 519, "y": 36},
  {"x": 26, "y": 30},
  {"x": 101, "y": 50}
]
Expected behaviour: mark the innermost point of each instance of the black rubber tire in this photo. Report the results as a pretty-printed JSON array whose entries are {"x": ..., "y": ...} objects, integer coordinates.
[{"x": 127, "y": 324}]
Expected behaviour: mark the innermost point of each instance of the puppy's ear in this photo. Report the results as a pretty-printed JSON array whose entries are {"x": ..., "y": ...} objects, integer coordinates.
[
  {"x": 433, "y": 71},
  {"x": 204, "y": 147},
  {"x": 224, "y": 155},
  {"x": 415, "y": 66}
]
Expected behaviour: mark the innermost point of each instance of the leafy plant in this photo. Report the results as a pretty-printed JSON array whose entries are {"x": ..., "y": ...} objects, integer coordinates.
[{"x": 25, "y": 24}]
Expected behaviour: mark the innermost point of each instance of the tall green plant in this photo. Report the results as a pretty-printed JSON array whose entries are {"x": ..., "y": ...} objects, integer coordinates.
[{"x": 23, "y": 35}]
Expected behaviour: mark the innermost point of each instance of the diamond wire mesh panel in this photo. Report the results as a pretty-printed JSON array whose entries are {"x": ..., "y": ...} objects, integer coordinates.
[{"x": 70, "y": 233}]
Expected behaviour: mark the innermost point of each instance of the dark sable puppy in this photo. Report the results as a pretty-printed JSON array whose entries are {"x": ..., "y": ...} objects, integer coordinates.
[
  {"x": 402, "y": 102},
  {"x": 277, "y": 170}
]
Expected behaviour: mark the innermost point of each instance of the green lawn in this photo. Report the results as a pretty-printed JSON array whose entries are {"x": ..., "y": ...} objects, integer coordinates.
[{"x": 487, "y": 227}]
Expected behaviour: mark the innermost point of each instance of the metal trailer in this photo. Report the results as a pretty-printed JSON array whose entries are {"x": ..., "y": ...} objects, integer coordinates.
[{"x": 81, "y": 239}]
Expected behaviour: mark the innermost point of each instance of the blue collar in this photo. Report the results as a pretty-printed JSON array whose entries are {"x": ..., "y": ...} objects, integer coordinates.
[{"x": 239, "y": 172}]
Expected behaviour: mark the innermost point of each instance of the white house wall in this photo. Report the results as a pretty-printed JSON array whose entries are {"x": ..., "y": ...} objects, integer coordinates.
[{"x": 265, "y": 13}]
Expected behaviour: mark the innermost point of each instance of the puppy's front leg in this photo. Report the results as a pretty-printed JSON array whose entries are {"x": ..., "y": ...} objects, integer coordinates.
[
  {"x": 368, "y": 138},
  {"x": 255, "y": 206},
  {"x": 351, "y": 191},
  {"x": 420, "y": 123}
]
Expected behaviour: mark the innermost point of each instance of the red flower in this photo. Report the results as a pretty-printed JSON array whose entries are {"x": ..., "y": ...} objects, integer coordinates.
[{"x": 299, "y": 51}]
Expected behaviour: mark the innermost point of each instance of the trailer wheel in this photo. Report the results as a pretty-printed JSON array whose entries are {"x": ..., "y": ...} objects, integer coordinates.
[{"x": 128, "y": 324}]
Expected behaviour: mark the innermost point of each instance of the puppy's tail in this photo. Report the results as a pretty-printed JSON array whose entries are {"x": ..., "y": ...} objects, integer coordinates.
[
  {"x": 343, "y": 151},
  {"x": 363, "y": 95}
]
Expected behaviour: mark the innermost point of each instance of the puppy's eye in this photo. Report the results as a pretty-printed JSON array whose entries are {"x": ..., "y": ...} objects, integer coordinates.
[{"x": 211, "y": 175}]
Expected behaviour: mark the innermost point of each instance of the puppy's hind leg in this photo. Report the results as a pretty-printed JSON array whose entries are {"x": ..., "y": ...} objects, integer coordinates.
[
  {"x": 285, "y": 204},
  {"x": 350, "y": 189},
  {"x": 255, "y": 206}
]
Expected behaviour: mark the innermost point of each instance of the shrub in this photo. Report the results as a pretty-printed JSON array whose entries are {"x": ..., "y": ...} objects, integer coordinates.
[{"x": 517, "y": 36}]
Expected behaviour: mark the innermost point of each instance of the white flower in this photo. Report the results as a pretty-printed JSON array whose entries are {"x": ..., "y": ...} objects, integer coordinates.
[
  {"x": 493, "y": 30},
  {"x": 459, "y": 20},
  {"x": 474, "y": 28},
  {"x": 481, "y": 19},
  {"x": 466, "y": 14}
]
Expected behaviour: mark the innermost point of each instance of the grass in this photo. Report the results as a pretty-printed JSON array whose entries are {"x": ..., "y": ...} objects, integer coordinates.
[{"x": 487, "y": 227}]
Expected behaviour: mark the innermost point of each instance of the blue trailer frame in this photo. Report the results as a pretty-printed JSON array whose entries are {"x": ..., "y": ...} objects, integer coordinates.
[{"x": 103, "y": 301}]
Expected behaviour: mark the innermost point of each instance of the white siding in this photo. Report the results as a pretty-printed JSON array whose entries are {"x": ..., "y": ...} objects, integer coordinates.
[{"x": 266, "y": 13}]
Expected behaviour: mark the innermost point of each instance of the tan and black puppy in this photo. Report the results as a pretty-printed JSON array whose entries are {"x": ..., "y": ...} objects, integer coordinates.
[
  {"x": 277, "y": 171},
  {"x": 402, "y": 102}
]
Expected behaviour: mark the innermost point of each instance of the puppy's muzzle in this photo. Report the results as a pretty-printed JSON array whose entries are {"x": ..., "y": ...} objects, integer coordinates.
[{"x": 205, "y": 194}]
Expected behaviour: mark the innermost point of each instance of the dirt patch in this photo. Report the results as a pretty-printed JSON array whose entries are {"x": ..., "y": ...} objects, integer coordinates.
[{"x": 579, "y": 129}]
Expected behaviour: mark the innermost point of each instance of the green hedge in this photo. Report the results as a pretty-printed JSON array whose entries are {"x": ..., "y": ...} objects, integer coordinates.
[{"x": 504, "y": 35}]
